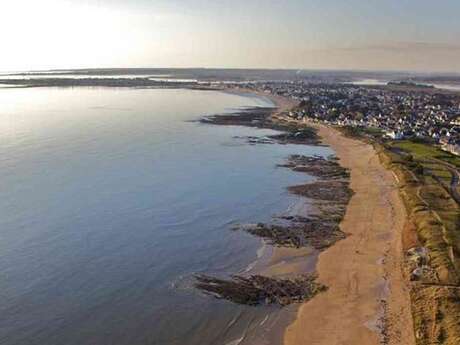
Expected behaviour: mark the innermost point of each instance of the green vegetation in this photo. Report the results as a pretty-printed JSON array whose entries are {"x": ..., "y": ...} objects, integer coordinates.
[
  {"x": 360, "y": 132},
  {"x": 435, "y": 162},
  {"x": 425, "y": 176},
  {"x": 421, "y": 151}
]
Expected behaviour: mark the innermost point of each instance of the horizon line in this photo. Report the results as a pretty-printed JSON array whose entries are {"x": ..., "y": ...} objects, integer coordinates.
[{"x": 377, "y": 71}]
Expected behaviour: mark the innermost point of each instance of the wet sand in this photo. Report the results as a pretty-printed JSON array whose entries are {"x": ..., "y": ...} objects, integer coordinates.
[{"x": 367, "y": 296}]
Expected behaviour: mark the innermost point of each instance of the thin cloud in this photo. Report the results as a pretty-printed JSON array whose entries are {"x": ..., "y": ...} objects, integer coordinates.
[{"x": 399, "y": 47}]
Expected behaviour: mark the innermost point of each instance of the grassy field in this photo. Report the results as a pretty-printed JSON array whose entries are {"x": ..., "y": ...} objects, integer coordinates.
[
  {"x": 435, "y": 162},
  {"x": 424, "y": 175},
  {"x": 360, "y": 132},
  {"x": 421, "y": 151}
]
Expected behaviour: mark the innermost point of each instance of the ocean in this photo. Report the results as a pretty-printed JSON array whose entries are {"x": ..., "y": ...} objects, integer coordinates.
[{"x": 112, "y": 199}]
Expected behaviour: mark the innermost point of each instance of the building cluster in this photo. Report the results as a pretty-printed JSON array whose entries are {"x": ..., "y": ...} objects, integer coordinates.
[{"x": 397, "y": 113}]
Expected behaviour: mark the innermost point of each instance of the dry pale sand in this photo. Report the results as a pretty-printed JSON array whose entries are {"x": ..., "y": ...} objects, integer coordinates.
[{"x": 364, "y": 269}]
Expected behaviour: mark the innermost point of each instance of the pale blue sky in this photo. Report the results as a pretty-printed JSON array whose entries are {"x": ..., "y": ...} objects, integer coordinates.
[{"x": 332, "y": 34}]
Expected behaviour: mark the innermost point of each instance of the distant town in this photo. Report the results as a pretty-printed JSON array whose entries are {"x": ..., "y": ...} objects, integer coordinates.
[{"x": 397, "y": 110}]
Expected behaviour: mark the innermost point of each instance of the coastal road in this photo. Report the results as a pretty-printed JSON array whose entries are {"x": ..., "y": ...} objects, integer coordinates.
[{"x": 455, "y": 177}]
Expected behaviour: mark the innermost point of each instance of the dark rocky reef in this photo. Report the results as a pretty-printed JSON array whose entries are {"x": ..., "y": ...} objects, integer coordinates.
[
  {"x": 261, "y": 117},
  {"x": 249, "y": 117},
  {"x": 333, "y": 191},
  {"x": 260, "y": 290},
  {"x": 326, "y": 169},
  {"x": 330, "y": 196},
  {"x": 310, "y": 231}
]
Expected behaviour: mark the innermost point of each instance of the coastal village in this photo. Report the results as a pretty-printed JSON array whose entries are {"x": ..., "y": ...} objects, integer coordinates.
[{"x": 397, "y": 113}]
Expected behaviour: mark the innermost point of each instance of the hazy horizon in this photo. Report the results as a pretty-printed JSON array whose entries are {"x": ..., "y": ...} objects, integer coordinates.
[
  {"x": 311, "y": 35},
  {"x": 191, "y": 68}
]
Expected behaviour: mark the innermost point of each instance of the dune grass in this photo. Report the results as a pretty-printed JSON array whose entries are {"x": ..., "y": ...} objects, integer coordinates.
[{"x": 436, "y": 216}]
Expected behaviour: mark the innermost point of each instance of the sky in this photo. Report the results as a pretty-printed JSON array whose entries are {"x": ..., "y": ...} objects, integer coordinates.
[{"x": 409, "y": 35}]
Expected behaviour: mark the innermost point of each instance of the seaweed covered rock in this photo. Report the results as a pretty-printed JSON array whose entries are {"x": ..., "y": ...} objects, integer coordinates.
[
  {"x": 314, "y": 231},
  {"x": 258, "y": 290},
  {"x": 318, "y": 166},
  {"x": 329, "y": 197},
  {"x": 261, "y": 117}
]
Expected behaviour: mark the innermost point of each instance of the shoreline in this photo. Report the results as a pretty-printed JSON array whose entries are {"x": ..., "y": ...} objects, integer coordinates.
[
  {"x": 282, "y": 260},
  {"x": 368, "y": 299},
  {"x": 367, "y": 302},
  {"x": 281, "y": 103},
  {"x": 276, "y": 261}
]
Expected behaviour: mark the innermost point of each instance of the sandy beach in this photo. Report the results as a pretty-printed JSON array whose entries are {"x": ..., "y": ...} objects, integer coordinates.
[{"x": 367, "y": 301}]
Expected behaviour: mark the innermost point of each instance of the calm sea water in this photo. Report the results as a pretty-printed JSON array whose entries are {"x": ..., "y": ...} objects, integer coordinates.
[{"x": 110, "y": 201}]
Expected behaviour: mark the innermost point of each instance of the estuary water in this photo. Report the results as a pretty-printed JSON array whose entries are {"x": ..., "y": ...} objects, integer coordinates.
[{"x": 112, "y": 199}]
